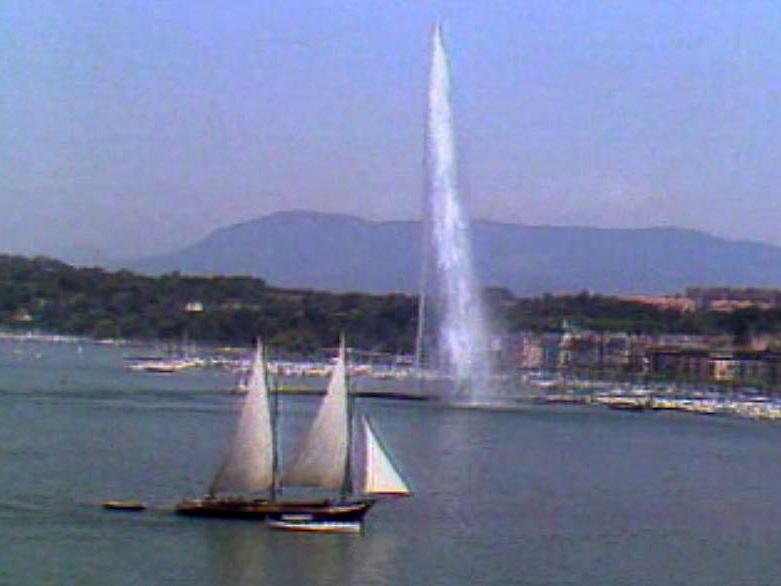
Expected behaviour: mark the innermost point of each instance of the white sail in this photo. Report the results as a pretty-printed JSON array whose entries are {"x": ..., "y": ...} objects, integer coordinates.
[
  {"x": 380, "y": 476},
  {"x": 249, "y": 465},
  {"x": 321, "y": 459}
]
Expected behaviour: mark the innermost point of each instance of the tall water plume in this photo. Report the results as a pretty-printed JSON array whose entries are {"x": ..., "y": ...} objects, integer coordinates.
[{"x": 453, "y": 337}]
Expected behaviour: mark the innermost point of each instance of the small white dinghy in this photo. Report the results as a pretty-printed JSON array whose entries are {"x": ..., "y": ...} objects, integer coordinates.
[
  {"x": 124, "y": 505},
  {"x": 306, "y": 523}
]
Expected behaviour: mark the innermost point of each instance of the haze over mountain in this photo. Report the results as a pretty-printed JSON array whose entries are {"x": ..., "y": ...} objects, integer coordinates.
[{"x": 345, "y": 253}]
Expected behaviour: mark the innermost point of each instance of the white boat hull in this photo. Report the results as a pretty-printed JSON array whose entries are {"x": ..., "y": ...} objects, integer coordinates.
[{"x": 315, "y": 526}]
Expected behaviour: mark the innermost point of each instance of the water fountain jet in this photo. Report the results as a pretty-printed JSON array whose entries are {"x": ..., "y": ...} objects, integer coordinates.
[{"x": 453, "y": 336}]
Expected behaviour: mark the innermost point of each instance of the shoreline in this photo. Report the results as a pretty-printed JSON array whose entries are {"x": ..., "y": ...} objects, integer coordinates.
[{"x": 702, "y": 399}]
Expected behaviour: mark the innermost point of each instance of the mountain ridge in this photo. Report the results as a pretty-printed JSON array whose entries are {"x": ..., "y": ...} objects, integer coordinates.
[{"x": 343, "y": 252}]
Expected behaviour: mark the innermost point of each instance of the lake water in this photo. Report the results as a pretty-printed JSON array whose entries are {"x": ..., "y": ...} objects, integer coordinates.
[{"x": 541, "y": 495}]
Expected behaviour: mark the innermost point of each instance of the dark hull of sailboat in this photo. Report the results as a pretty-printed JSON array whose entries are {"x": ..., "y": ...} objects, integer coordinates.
[{"x": 263, "y": 509}]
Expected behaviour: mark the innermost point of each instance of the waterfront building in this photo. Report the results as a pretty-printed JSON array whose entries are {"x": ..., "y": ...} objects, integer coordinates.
[
  {"x": 673, "y": 357},
  {"x": 731, "y": 298}
]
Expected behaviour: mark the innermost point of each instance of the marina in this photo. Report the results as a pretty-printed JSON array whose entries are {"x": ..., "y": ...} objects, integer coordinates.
[{"x": 308, "y": 377}]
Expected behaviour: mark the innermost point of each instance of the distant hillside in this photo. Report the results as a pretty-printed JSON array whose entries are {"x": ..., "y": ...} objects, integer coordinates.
[{"x": 345, "y": 253}]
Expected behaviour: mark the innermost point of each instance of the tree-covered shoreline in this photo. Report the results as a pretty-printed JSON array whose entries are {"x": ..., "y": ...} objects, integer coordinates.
[{"x": 48, "y": 295}]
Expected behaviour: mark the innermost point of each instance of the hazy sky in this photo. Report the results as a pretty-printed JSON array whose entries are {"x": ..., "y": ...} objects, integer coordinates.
[{"x": 133, "y": 126}]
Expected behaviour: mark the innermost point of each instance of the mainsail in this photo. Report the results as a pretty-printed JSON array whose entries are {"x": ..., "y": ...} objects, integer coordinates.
[
  {"x": 380, "y": 476},
  {"x": 322, "y": 458},
  {"x": 249, "y": 465}
]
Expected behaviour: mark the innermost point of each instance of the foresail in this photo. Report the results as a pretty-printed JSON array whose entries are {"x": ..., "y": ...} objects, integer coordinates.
[
  {"x": 248, "y": 466},
  {"x": 322, "y": 457},
  {"x": 380, "y": 476}
]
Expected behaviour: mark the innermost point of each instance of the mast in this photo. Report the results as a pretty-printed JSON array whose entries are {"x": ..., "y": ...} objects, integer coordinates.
[
  {"x": 347, "y": 483},
  {"x": 424, "y": 284},
  {"x": 274, "y": 396},
  {"x": 419, "y": 337}
]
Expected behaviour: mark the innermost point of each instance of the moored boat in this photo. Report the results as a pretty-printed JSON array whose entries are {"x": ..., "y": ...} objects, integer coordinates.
[
  {"x": 124, "y": 505},
  {"x": 291, "y": 523}
]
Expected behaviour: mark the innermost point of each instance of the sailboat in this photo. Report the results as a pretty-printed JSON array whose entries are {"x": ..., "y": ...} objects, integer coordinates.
[{"x": 350, "y": 463}]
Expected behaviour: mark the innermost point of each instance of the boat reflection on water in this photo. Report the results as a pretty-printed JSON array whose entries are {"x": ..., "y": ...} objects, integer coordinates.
[{"x": 238, "y": 553}]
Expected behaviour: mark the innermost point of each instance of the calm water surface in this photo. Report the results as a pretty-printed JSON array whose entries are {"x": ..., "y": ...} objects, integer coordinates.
[{"x": 562, "y": 495}]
